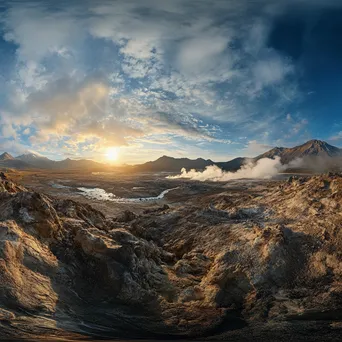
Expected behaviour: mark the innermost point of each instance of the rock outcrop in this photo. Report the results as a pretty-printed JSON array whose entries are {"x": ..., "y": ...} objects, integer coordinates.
[{"x": 249, "y": 263}]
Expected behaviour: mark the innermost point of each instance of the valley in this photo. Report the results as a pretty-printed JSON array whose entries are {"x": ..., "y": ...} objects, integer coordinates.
[
  {"x": 125, "y": 254},
  {"x": 66, "y": 185},
  {"x": 208, "y": 261}
]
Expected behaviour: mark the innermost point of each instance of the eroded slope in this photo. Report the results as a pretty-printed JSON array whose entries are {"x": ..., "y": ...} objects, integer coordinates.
[{"x": 235, "y": 262}]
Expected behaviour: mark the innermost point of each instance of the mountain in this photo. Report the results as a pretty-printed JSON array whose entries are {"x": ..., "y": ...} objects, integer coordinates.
[
  {"x": 8, "y": 161},
  {"x": 312, "y": 148},
  {"x": 6, "y": 156},
  {"x": 41, "y": 162},
  {"x": 232, "y": 165},
  {"x": 166, "y": 163},
  {"x": 308, "y": 151},
  {"x": 78, "y": 164},
  {"x": 37, "y": 161},
  {"x": 274, "y": 152}
]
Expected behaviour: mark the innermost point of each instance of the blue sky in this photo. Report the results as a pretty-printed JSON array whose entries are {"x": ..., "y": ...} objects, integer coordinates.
[{"x": 213, "y": 79}]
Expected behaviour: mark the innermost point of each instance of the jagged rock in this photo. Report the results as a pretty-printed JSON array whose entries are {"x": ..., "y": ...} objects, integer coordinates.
[
  {"x": 78, "y": 211},
  {"x": 181, "y": 271},
  {"x": 157, "y": 210},
  {"x": 6, "y": 315},
  {"x": 8, "y": 186},
  {"x": 23, "y": 262},
  {"x": 194, "y": 293},
  {"x": 127, "y": 216}
]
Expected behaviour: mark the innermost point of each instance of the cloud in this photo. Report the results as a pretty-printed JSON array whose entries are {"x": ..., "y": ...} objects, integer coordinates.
[
  {"x": 109, "y": 131},
  {"x": 299, "y": 125},
  {"x": 27, "y": 131},
  {"x": 201, "y": 53},
  {"x": 107, "y": 73},
  {"x": 336, "y": 137},
  {"x": 59, "y": 107},
  {"x": 38, "y": 31},
  {"x": 8, "y": 131},
  {"x": 271, "y": 70},
  {"x": 254, "y": 148},
  {"x": 13, "y": 146},
  {"x": 80, "y": 112}
]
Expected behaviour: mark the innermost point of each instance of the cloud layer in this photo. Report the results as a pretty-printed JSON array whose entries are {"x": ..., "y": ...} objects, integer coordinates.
[{"x": 190, "y": 73}]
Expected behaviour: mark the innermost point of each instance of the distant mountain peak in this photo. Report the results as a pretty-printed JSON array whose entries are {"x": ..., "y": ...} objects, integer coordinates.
[
  {"x": 310, "y": 148},
  {"x": 6, "y": 156},
  {"x": 320, "y": 146},
  {"x": 166, "y": 163},
  {"x": 315, "y": 142},
  {"x": 29, "y": 156},
  {"x": 165, "y": 157}
]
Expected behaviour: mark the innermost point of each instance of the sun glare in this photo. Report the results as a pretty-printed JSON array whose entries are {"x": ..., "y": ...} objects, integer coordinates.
[{"x": 112, "y": 154}]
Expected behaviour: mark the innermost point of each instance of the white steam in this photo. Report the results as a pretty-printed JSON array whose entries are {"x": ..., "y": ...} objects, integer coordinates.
[{"x": 264, "y": 168}]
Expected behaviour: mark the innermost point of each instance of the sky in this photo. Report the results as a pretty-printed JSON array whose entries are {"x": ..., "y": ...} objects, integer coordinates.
[{"x": 185, "y": 78}]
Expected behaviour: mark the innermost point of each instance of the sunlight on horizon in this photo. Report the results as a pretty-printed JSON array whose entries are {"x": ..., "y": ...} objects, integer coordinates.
[{"x": 112, "y": 154}]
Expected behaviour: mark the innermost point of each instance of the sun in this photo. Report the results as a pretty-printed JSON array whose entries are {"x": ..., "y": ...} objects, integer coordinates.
[{"x": 112, "y": 154}]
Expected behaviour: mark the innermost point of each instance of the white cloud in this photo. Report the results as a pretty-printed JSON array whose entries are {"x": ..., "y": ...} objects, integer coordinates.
[
  {"x": 298, "y": 126},
  {"x": 257, "y": 35},
  {"x": 8, "y": 131},
  {"x": 13, "y": 146},
  {"x": 27, "y": 131},
  {"x": 31, "y": 75},
  {"x": 271, "y": 70},
  {"x": 38, "y": 32},
  {"x": 336, "y": 137},
  {"x": 254, "y": 148},
  {"x": 157, "y": 68},
  {"x": 201, "y": 53}
]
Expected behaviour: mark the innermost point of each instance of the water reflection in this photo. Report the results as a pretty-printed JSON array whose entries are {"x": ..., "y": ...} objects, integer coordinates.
[{"x": 101, "y": 194}]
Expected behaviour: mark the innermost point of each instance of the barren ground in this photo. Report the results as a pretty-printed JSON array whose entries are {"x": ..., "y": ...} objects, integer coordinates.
[
  {"x": 134, "y": 185},
  {"x": 242, "y": 260}
]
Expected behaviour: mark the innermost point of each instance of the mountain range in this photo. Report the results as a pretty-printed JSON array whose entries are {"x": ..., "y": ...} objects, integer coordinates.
[
  {"x": 35, "y": 161},
  {"x": 309, "y": 151},
  {"x": 166, "y": 163}
]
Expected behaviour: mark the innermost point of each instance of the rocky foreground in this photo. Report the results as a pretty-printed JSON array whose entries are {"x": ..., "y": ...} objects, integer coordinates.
[{"x": 261, "y": 264}]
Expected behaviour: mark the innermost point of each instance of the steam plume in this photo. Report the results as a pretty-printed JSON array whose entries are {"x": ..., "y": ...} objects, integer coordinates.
[{"x": 264, "y": 168}]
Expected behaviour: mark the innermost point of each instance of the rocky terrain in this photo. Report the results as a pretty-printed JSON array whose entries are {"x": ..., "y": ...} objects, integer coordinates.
[{"x": 257, "y": 261}]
